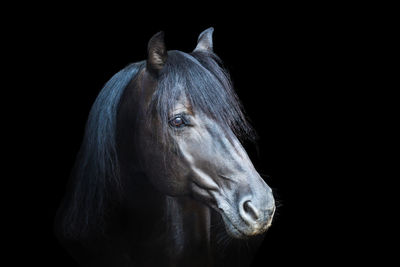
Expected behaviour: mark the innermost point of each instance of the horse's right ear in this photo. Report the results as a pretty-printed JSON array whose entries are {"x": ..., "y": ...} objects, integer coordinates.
[
  {"x": 157, "y": 54},
  {"x": 205, "y": 41}
]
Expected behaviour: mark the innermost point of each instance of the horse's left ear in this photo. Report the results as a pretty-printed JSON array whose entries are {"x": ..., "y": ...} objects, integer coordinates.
[
  {"x": 205, "y": 42},
  {"x": 157, "y": 53}
]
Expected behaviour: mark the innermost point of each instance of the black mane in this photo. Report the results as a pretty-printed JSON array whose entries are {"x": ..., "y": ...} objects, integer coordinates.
[{"x": 96, "y": 168}]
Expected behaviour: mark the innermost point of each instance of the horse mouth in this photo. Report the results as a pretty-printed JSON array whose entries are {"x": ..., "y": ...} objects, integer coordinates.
[
  {"x": 231, "y": 229},
  {"x": 235, "y": 231},
  {"x": 240, "y": 222}
]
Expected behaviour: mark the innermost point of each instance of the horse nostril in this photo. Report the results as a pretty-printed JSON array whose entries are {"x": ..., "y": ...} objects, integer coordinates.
[{"x": 250, "y": 210}]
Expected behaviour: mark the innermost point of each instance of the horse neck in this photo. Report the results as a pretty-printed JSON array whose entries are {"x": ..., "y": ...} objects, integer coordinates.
[
  {"x": 188, "y": 226},
  {"x": 177, "y": 227}
]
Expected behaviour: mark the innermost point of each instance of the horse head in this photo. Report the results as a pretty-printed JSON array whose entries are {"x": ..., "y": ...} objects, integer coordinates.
[{"x": 190, "y": 123}]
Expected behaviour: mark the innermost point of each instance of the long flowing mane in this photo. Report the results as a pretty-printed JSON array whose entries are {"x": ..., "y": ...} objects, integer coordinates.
[
  {"x": 95, "y": 174},
  {"x": 95, "y": 180}
]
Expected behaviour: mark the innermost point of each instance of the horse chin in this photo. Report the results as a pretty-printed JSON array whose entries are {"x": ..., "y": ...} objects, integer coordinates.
[{"x": 233, "y": 231}]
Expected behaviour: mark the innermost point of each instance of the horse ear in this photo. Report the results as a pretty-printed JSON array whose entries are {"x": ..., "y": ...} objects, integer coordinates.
[
  {"x": 205, "y": 42},
  {"x": 157, "y": 53}
]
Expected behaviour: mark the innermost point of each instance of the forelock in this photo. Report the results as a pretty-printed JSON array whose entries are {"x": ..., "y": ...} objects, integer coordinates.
[{"x": 207, "y": 87}]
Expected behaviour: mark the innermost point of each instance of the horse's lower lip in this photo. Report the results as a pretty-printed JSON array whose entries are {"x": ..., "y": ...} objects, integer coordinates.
[
  {"x": 242, "y": 234},
  {"x": 227, "y": 220}
]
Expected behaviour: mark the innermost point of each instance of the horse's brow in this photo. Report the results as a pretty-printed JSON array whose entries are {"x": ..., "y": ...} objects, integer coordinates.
[{"x": 187, "y": 107}]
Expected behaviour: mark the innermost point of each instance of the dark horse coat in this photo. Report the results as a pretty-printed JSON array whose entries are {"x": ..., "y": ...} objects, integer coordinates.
[{"x": 161, "y": 178}]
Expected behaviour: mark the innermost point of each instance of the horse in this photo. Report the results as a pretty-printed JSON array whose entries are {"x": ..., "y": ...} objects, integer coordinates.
[{"x": 162, "y": 177}]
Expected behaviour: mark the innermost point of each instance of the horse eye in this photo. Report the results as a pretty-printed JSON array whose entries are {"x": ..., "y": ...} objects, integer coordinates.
[{"x": 177, "y": 122}]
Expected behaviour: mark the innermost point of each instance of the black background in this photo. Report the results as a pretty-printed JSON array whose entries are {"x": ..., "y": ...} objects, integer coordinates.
[{"x": 287, "y": 66}]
